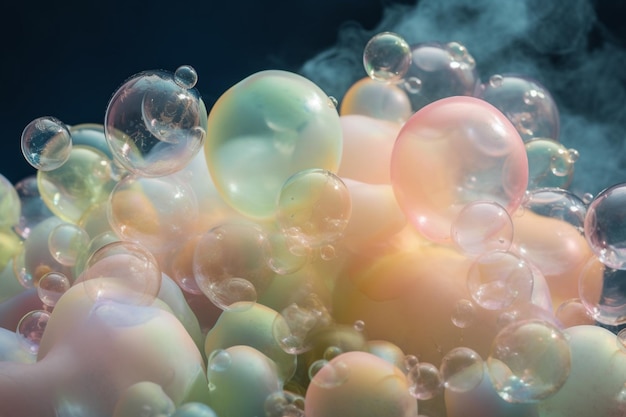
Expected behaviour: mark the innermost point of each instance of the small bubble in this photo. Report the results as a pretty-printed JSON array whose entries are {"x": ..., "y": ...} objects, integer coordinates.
[
  {"x": 46, "y": 143},
  {"x": 328, "y": 252},
  {"x": 387, "y": 57},
  {"x": 413, "y": 85},
  {"x": 410, "y": 362},
  {"x": 359, "y": 325},
  {"x": 332, "y": 102},
  {"x": 332, "y": 352},
  {"x": 496, "y": 80},
  {"x": 461, "y": 369},
  {"x": 30, "y": 329},
  {"x": 573, "y": 155},
  {"x": 185, "y": 76},
  {"x": 587, "y": 198},
  {"x": 329, "y": 374},
  {"x": 219, "y": 360},
  {"x": 425, "y": 381},
  {"x": 51, "y": 287},
  {"x": 464, "y": 314}
]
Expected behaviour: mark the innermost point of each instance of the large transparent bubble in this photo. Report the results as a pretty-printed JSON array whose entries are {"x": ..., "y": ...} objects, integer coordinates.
[
  {"x": 155, "y": 125},
  {"x": 265, "y": 129},
  {"x": 451, "y": 153},
  {"x": 386, "y": 57}
]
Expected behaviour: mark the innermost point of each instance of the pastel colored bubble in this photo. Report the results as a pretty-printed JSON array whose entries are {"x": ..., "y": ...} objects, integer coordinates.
[{"x": 451, "y": 153}]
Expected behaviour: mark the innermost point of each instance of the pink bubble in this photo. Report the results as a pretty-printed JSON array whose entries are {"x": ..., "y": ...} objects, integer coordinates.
[{"x": 453, "y": 152}]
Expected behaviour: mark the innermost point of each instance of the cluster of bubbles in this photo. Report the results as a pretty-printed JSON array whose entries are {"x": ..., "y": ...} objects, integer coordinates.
[{"x": 244, "y": 207}]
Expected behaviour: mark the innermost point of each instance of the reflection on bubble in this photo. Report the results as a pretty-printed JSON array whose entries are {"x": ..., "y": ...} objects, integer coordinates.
[
  {"x": 602, "y": 291},
  {"x": 498, "y": 279},
  {"x": 549, "y": 164},
  {"x": 461, "y": 369},
  {"x": 329, "y": 374},
  {"x": 482, "y": 226},
  {"x": 46, "y": 143},
  {"x": 30, "y": 330},
  {"x": 65, "y": 243},
  {"x": 219, "y": 360},
  {"x": 386, "y": 57},
  {"x": 284, "y": 404},
  {"x": 529, "y": 361},
  {"x": 51, "y": 287},
  {"x": 378, "y": 100},
  {"x": 464, "y": 314},
  {"x": 573, "y": 313}
]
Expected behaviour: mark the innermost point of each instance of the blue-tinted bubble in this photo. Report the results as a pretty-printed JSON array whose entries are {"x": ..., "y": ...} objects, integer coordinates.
[
  {"x": 46, "y": 143},
  {"x": 185, "y": 76},
  {"x": 550, "y": 164}
]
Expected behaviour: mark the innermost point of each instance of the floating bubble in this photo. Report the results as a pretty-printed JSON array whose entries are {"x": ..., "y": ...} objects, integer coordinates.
[
  {"x": 529, "y": 361},
  {"x": 122, "y": 271},
  {"x": 387, "y": 57},
  {"x": 605, "y": 229},
  {"x": 378, "y": 100},
  {"x": 70, "y": 190},
  {"x": 602, "y": 290},
  {"x": 30, "y": 330},
  {"x": 293, "y": 328},
  {"x": 284, "y": 404},
  {"x": 51, "y": 287},
  {"x": 410, "y": 362},
  {"x": 451, "y": 153},
  {"x": 464, "y": 314},
  {"x": 146, "y": 399},
  {"x": 263, "y": 130},
  {"x": 559, "y": 204},
  {"x": 331, "y": 352},
  {"x": 185, "y": 76},
  {"x": 438, "y": 71},
  {"x": 572, "y": 312},
  {"x": 359, "y": 325},
  {"x": 286, "y": 253},
  {"x": 220, "y": 360},
  {"x": 461, "y": 369},
  {"x": 526, "y": 103},
  {"x": 153, "y": 125},
  {"x": 66, "y": 241},
  {"x": 46, "y": 143},
  {"x": 230, "y": 263},
  {"x": 159, "y": 212},
  {"x": 314, "y": 207},
  {"x": 482, "y": 226},
  {"x": 425, "y": 381},
  {"x": 33, "y": 208},
  {"x": 549, "y": 164},
  {"x": 10, "y": 204},
  {"x": 498, "y": 279}
]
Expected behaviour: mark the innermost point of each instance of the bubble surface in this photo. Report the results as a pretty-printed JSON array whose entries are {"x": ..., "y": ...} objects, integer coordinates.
[
  {"x": 386, "y": 57},
  {"x": 529, "y": 361},
  {"x": 461, "y": 369},
  {"x": 602, "y": 291},
  {"x": 51, "y": 287},
  {"x": 482, "y": 226},
  {"x": 31, "y": 328},
  {"x": 66, "y": 241},
  {"x": 46, "y": 143},
  {"x": 425, "y": 381}
]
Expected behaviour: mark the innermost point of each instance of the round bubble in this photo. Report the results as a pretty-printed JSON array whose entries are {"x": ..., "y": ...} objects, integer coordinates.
[
  {"x": 461, "y": 369},
  {"x": 263, "y": 130},
  {"x": 70, "y": 190},
  {"x": 526, "y": 103},
  {"x": 498, "y": 279},
  {"x": 482, "y": 226},
  {"x": 283, "y": 404},
  {"x": 286, "y": 254},
  {"x": 378, "y": 100},
  {"x": 33, "y": 208},
  {"x": 464, "y": 314},
  {"x": 602, "y": 290},
  {"x": 159, "y": 212},
  {"x": 230, "y": 263},
  {"x": 194, "y": 409},
  {"x": 185, "y": 76},
  {"x": 387, "y": 57},
  {"x": 66, "y": 241},
  {"x": 573, "y": 312},
  {"x": 314, "y": 207},
  {"x": 529, "y": 361},
  {"x": 550, "y": 164},
  {"x": 558, "y": 204},
  {"x": 144, "y": 399},
  {"x": 153, "y": 125},
  {"x": 438, "y": 71},
  {"x": 46, "y": 143},
  {"x": 51, "y": 287},
  {"x": 30, "y": 330},
  {"x": 94, "y": 244},
  {"x": 329, "y": 373},
  {"x": 425, "y": 381},
  {"x": 453, "y": 152},
  {"x": 122, "y": 271},
  {"x": 605, "y": 229},
  {"x": 10, "y": 205}
]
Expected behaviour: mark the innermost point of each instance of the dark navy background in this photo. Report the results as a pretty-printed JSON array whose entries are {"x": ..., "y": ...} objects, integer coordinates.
[{"x": 65, "y": 59}]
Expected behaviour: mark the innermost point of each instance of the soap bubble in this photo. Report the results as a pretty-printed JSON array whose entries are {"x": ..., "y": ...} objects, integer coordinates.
[
  {"x": 159, "y": 212},
  {"x": 263, "y": 130},
  {"x": 573, "y": 312},
  {"x": 314, "y": 207},
  {"x": 284, "y": 404},
  {"x": 230, "y": 263},
  {"x": 498, "y": 279},
  {"x": 605, "y": 229},
  {"x": 30, "y": 330},
  {"x": 550, "y": 164},
  {"x": 66, "y": 241},
  {"x": 461, "y": 369},
  {"x": 529, "y": 361},
  {"x": 602, "y": 291},
  {"x": 378, "y": 100},
  {"x": 386, "y": 57},
  {"x": 10, "y": 204},
  {"x": 464, "y": 314},
  {"x": 329, "y": 374},
  {"x": 33, "y": 208},
  {"x": 219, "y": 360},
  {"x": 482, "y": 226},
  {"x": 154, "y": 126},
  {"x": 70, "y": 190},
  {"x": 286, "y": 253},
  {"x": 557, "y": 203},
  {"x": 124, "y": 272},
  {"x": 438, "y": 71},
  {"x": 425, "y": 381},
  {"x": 51, "y": 287},
  {"x": 46, "y": 143},
  {"x": 526, "y": 103},
  {"x": 451, "y": 153},
  {"x": 185, "y": 76}
]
